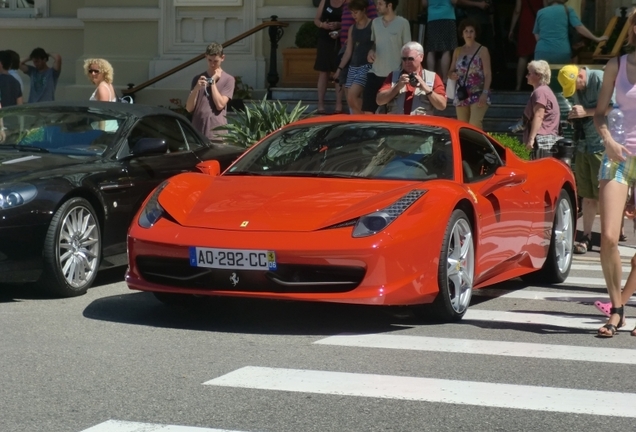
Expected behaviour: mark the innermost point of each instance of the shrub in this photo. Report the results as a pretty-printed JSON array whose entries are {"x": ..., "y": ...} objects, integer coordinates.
[
  {"x": 307, "y": 35},
  {"x": 258, "y": 120},
  {"x": 241, "y": 89},
  {"x": 513, "y": 143}
]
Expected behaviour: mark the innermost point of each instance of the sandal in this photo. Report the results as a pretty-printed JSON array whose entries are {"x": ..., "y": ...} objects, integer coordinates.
[
  {"x": 622, "y": 238},
  {"x": 583, "y": 246},
  {"x": 603, "y": 307},
  {"x": 609, "y": 330}
]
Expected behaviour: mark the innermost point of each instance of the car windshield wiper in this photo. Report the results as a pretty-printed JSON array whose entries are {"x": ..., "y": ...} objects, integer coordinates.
[{"x": 25, "y": 148}]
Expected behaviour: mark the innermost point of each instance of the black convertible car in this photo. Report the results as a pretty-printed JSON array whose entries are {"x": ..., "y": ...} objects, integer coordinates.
[{"x": 72, "y": 176}]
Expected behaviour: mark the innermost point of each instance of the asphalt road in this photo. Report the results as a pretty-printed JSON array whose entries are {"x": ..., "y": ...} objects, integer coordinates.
[{"x": 524, "y": 358}]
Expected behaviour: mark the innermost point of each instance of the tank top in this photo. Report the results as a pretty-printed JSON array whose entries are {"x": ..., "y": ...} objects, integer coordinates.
[
  {"x": 362, "y": 43},
  {"x": 112, "y": 96},
  {"x": 626, "y": 100}
]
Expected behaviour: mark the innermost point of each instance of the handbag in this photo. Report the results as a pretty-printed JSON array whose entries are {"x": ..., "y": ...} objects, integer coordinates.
[
  {"x": 577, "y": 42},
  {"x": 461, "y": 92}
]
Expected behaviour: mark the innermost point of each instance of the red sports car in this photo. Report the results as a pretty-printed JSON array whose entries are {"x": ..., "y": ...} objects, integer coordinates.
[{"x": 377, "y": 210}]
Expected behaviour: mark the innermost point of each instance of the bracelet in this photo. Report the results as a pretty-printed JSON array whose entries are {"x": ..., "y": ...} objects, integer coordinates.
[{"x": 428, "y": 93}]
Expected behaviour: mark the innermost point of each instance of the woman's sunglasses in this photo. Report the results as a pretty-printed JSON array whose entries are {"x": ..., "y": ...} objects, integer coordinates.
[{"x": 93, "y": 71}]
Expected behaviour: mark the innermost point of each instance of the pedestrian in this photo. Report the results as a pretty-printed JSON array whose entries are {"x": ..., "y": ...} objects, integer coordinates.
[
  {"x": 100, "y": 73},
  {"x": 618, "y": 171},
  {"x": 583, "y": 86},
  {"x": 327, "y": 19},
  {"x": 471, "y": 71},
  {"x": 10, "y": 91},
  {"x": 441, "y": 35},
  {"x": 541, "y": 115},
  {"x": 412, "y": 90},
  {"x": 345, "y": 23},
  {"x": 43, "y": 78},
  {"x": 210, "y": 93},
  {"x": 525, "y": 14},
  {"x": 389, "y": 33},
  {"x": 356, "y": 55},
  {"x": 15, "y": 66},
  {"x": 481, "y": 12},
  {"x": 551, "y": 31}
]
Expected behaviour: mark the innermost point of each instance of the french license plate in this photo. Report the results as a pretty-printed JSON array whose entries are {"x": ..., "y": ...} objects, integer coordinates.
[{"x": 232, "y": 259}]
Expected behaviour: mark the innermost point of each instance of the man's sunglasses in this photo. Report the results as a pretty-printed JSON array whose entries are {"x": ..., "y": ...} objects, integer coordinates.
[{"x": 408, "y": 58}]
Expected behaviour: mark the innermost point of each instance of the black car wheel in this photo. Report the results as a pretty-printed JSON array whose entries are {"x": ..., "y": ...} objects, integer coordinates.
[
  {"x": 72, "y": 249},
  {"x": 456, "y": 269},
  {"x": 559, "y": 260}
]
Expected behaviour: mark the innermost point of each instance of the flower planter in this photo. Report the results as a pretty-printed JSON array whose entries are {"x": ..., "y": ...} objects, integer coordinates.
[{"x": 298, "y": 67}]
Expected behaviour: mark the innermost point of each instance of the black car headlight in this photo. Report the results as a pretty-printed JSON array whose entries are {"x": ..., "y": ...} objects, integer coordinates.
[
  {"x": 152, "y": 211},
  {"x": 375, "y": 222},
  {"x": 15, "y": 195}
]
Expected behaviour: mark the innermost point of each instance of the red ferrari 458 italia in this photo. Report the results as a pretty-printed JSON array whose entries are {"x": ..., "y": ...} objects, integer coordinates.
[{"x": 377, "y": 210}]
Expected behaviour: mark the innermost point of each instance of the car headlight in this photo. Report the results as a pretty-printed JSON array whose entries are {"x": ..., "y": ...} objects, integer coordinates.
[
  {"x": 16, "y": 195},
  {"x": 152, "y": 211},
  {"x": 375, "y": 222}
]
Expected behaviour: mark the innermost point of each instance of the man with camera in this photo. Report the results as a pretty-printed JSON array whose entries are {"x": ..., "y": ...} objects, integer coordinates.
[
  {"x": 210, "y": 93},
  {"x": 412, "y": 90},
  {"x": 583, "y": 86}
]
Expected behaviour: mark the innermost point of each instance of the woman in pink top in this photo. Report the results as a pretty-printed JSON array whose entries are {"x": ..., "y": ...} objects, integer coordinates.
[{"x": 618, "y": 172}]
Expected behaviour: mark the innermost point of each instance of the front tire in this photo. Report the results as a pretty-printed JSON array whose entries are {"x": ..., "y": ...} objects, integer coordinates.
[
  {"x": 456, "y": 269},
  {"x": 72, "y": 249}
]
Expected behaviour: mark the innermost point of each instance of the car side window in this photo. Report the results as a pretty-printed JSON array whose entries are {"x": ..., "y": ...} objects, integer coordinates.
[
  {"x": 193, "y": 141},
  {"x": 161, "y": 127},
  {"x": 479, "y": 158}
]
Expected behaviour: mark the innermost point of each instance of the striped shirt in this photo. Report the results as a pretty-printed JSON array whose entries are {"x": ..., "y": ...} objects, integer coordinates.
[{"x": 347, "y": 19}]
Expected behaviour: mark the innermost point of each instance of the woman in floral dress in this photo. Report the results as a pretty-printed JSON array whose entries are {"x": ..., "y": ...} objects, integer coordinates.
[{"x": 471, "y": 68}]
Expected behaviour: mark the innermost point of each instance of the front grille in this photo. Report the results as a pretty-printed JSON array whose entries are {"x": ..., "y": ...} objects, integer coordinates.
[{"x": 288, "y": 278}]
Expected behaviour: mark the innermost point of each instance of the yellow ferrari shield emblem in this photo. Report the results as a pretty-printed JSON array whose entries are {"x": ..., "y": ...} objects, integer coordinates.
[{"x": 244, "y": 224}]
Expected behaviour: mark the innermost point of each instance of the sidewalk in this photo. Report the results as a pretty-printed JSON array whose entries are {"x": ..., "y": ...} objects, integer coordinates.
[{"x": 626, "y": 248}]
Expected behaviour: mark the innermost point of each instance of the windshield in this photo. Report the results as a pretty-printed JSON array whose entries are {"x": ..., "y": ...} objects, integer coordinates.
[
  {"x": 71, "y": 131},
  {"x": 363, "y": 150}
]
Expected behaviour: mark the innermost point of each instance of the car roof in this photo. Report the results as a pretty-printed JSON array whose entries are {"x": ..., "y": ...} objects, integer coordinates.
[
  {"x": 389, "y": 118},
  {"x": 138, "y": 110}
]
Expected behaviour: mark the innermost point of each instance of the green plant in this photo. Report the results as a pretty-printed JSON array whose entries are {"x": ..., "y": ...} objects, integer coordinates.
[
  {"x": 241, "y": 89},
  {"x": 513, "y": 143},
  {"x": 257, "y": 120},
  {"x": 307, "y": 35}
]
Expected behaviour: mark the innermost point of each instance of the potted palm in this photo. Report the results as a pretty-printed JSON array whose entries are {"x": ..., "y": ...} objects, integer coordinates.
[{"x": 298, "y": 61}]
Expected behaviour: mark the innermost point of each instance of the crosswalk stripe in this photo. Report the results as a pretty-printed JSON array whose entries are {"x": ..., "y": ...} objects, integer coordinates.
[
  {"x": 545, "y": 295},
  {"x": 126, "y": 426},
  {"x": 486, "y": 347},
  {"x": 626, "y": 251},
  {"x": 525, "y": 397},
  {"x": 595, "y": 267},
  {"x": 562, "y": 320},
  {"x": 587, "y": 281}
]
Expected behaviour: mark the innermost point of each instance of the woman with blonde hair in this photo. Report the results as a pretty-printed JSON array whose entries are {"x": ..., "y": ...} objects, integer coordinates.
[
  {"x": 100, "y": 72},
  {"x": 542, "y": 114},
  {"x": 617, "y": 173}
]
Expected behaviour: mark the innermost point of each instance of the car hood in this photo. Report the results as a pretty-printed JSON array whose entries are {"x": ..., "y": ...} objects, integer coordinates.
[
  {"x": 14, "y": 164},
  {"x": 275, "y": 203}
]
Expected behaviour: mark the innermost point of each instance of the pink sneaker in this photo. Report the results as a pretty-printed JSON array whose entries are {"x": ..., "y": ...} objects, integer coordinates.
[{"x": 603, "y": 307}]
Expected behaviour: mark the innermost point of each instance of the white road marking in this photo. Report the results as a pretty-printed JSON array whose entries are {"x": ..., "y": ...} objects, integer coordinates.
[
  {"x": 487, "y": 347},
  {"x": 562, "y": 320},
  {"x": 126, "y": 426},
  {"x": 546, "y": 295},
  {"x": 525, "y": 397},
  {"x": 587, "y": 281},
  {"x": 595, "y": 267}
]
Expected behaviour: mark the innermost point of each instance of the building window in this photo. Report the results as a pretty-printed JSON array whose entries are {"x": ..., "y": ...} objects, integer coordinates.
[{"x": 24, "y": 8}]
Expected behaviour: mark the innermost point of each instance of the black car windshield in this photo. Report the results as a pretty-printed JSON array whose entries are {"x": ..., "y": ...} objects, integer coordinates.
[
  {"x": 373, "y": 150},
  {"x": 62, "y": 130}
]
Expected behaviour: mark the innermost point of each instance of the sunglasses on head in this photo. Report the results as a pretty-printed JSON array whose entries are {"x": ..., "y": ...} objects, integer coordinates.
[
  {"x": 94, "y": 71},
  {"x": 408, "y": 58}
]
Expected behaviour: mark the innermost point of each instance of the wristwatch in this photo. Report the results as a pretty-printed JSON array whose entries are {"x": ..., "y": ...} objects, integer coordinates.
[{"x": 428, "y": 93}]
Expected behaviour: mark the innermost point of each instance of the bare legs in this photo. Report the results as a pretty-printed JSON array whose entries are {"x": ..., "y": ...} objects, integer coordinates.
[
  {"x": 442, "y": 68},
  {"x": 354, "y": 98},
  {"x": 322, "y": 89},
  {"x": 590, "y": 208},
  {"x": 522, "y": 64},
  {"x": 612, "y": 196}
]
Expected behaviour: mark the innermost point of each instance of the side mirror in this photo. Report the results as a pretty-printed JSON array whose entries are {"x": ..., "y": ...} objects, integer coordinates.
[
  {"x": 504, "y": 176},
  {"x": 149, "y": 146},
  {"x": 210, "y": 167}
]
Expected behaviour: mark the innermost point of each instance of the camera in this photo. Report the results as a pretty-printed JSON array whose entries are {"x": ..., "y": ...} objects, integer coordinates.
[
  {"x": 413, "y": 80},
  {"x": 578, "y": 125},
  {"x": 210, "y": 81}
]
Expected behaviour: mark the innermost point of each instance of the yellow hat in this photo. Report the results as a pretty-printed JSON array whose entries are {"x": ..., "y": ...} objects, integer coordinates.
[{"x": 567, "y": 79}]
